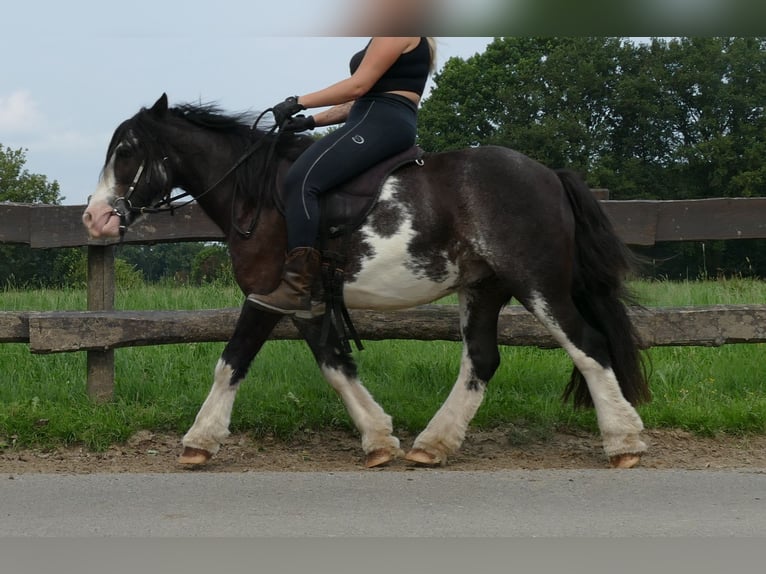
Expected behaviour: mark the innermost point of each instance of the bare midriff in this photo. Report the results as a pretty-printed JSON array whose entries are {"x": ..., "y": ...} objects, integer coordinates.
[{"x": 412, "y": 96}]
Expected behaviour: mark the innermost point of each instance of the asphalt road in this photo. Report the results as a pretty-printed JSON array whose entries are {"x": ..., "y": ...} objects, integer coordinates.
[{"x": 427, "y": 503}]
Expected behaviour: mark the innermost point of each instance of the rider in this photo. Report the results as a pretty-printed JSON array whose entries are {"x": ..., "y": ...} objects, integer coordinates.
[{"x": 378, "y": 104}]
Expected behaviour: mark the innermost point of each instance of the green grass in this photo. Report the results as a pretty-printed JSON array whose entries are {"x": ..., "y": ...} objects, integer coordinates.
[
  {"x": 43, "y": 400},
  {"x": 687, "y": 293}
]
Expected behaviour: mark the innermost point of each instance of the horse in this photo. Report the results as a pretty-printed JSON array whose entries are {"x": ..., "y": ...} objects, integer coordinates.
[{"x": 487, "y": 223}]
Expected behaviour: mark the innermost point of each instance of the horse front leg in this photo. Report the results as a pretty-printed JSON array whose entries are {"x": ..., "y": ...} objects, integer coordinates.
[
  {"x": 339, "y": 369},
  {"x": 211, "y": 425}
]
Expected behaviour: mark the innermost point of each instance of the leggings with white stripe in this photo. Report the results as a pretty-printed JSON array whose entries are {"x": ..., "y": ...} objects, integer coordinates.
[{"x": 378, "y": 126}]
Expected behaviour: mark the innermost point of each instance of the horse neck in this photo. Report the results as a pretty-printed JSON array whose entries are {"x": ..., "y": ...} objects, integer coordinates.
[{"x": 219, "y": 198}]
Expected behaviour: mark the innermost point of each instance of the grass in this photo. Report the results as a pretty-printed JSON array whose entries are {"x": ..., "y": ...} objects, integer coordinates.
[{"x": 43, "y": 401}]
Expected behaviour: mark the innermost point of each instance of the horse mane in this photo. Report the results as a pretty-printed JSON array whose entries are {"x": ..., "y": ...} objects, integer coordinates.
[
  {"x": 210, "y": 116},
  {"x": 256, "y": 178}
]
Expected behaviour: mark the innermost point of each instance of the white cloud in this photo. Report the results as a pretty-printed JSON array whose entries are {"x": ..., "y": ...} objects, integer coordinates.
[
  {"x": 70, "y": 142},
  {"x": 19, "y": 113},
  {"x": 23, "y": 123}
]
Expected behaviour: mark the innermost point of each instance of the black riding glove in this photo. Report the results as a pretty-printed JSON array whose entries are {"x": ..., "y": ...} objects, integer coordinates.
[
  {"x": 299, "y": 124},
  {"x": 286, "y": 109}
]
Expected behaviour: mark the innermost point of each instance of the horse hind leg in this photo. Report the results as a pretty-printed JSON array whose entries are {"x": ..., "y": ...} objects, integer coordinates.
[
  {"x": 374, "y": 425},
  {"x": 619, "y": 423},
  {"x": 446, "y": 431}
]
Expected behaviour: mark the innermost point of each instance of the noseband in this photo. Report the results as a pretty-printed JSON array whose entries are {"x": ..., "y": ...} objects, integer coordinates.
[{"x": 122, "y": 205}]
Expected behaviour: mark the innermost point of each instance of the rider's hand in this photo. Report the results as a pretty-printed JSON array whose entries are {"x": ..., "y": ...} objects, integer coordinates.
[
  {"x": 299, "y": 124},
  {"x": 286, "y": 109}
]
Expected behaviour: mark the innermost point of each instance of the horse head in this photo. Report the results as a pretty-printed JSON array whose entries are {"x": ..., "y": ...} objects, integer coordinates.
[{"x": 135, "y": 177}]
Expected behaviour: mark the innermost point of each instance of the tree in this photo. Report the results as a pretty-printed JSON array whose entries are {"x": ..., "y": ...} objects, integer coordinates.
[
  {"x": 679, "y": 118},
  {"x": 19, "y": 264},
  {"x": 172, "y": 261},
  {"x": 20, "y": 186},
  {"x": 546, "y": 97},
  {"x": 665, "y": 120}
]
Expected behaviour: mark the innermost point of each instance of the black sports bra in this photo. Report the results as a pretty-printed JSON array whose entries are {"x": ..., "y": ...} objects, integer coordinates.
[{"x": 408, "y": 73}]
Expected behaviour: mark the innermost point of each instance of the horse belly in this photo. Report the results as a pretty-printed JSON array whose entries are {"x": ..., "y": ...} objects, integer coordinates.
[{"x": 390, "y": 278}]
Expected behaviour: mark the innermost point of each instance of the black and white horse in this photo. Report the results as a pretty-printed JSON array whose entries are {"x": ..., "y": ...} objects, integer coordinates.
[{"x": 486, "y": 223}]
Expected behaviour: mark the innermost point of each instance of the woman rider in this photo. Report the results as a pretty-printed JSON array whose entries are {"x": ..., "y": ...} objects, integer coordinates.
[{"x": 378, "y": 104}]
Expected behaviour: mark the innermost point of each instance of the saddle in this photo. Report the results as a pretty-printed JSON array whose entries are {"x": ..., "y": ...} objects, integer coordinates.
[{"x": 343, "y": 210}]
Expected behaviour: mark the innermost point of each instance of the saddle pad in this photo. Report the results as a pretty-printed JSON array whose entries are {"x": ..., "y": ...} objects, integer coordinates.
[{"x": 346, "y": 207}]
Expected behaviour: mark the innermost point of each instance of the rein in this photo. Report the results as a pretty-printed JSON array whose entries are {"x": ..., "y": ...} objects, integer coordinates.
[{"x": 123, "y": 206}]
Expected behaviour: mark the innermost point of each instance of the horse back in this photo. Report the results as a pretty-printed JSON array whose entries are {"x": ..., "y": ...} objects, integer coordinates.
[{"x": 482, "y": 189}]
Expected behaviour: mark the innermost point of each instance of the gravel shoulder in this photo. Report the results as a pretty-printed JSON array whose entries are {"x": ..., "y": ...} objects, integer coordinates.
[{"x": 499, "y": 449}]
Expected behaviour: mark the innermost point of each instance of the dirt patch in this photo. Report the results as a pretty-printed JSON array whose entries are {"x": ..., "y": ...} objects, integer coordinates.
[{"x": 148, "y": 452}]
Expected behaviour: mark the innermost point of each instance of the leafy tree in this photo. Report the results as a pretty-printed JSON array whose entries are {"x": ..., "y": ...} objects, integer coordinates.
[
  {"x": 19, "y": 264},
  {"x": 666, "y": 120},
  {"x": 547, "y": 97},
  {"x": 163, "y": 261},
  {"x": 20, "y": 186},
  {"x": 670, "y": 119}
]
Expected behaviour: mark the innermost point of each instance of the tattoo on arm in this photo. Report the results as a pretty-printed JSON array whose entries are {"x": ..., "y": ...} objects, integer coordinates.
[{"x": 334, "y": 115}]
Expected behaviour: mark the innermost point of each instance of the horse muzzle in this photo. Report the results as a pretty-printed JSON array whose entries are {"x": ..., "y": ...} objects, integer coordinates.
[{"x": 103, "y": 220}]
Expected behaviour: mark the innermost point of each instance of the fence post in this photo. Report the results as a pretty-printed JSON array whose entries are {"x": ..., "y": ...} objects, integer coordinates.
[
  {"x": 100, "y": 384},
  {"x": 601, "y": 193}
]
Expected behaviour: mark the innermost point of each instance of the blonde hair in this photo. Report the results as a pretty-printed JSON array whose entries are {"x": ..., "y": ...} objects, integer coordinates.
[{"x": 432, "y": 47}]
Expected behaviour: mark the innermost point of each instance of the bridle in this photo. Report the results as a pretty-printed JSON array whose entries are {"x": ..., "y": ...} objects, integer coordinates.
[{"x": 123, "y": 207}]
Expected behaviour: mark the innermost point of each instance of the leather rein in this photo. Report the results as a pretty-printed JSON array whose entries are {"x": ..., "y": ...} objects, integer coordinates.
[{"x": 123, "y": 205}]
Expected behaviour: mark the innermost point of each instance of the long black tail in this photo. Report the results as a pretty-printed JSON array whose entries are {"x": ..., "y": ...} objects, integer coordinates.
[{"x": 602, "y": 262}]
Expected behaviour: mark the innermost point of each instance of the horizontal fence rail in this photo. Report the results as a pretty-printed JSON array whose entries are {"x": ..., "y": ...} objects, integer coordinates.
[
  {"x": 63, "y": 331},
  {"x": 636, "y": 222},
  {"x": 100, "y": 329}
]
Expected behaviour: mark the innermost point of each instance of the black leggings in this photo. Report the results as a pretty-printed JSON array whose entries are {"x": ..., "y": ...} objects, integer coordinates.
[{"x": 378, "y": 126}]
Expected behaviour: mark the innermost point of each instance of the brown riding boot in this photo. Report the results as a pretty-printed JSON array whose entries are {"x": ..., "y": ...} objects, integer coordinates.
[{"x": 294, "y": 292}]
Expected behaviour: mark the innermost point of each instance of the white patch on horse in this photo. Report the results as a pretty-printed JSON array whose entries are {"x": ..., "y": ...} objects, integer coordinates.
[
  {"x": 106, "y": 183},
  {"x": 211, "y": 426},
  {"x": 99, "y": 217},
  {"x": 387, "y": 279},
  {"x": 446, "y": 430},
  {"x": 105, "y": 192},
  {"x": 618, "y": 421},
  {"x": 370, "y": 419}
]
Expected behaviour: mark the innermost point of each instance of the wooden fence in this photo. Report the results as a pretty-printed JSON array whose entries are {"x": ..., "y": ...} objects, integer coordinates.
[{"x": 101, "y": 329}]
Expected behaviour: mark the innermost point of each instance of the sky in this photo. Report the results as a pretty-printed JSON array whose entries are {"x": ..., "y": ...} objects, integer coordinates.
[{"x": 73, "y": 71}]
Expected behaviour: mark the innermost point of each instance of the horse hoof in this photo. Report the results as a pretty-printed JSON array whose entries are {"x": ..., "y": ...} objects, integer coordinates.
[
  {"x": 420, "y": 456},
  {"x": 624, "y": 460},
  {"x": 194, "y": 456},
  {"x": 378, "y": 457}
]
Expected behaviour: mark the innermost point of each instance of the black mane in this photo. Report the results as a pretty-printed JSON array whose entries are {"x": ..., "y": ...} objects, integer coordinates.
[
  {"x": 240, "y": 125},
  {"x": 256, "y": 178},
  {"x": 210, "y": 116}
]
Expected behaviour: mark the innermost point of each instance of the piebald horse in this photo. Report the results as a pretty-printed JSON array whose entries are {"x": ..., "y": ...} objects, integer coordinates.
[{"x": 486, "y": 223}]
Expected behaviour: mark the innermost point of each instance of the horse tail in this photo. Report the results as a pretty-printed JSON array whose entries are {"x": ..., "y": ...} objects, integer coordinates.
[{"x": 602, "y": 262}]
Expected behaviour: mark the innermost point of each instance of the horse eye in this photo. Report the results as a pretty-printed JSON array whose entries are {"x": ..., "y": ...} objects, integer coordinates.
[{"x": 123, "y": 152}]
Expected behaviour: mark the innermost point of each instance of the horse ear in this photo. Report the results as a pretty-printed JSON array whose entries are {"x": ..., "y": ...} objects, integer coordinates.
[{"x": 161, "y": 105}]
